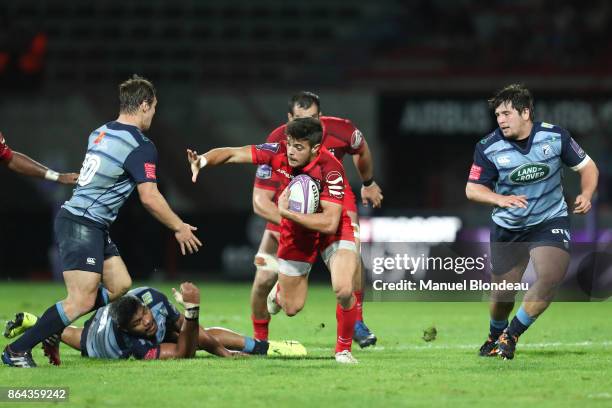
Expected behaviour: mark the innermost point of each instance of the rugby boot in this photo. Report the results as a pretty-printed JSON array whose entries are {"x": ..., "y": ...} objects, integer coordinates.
[
  {"x": 489, "y": 348},
  {"x": 20, "y": 360},
  {"x": 363, "y": 336},
  {"x": 506, "y": 345}
]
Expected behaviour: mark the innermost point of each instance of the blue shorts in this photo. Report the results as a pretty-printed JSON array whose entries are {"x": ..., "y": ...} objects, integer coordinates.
[
  {"x": 84, "y": 245},
  {"x": 510, "y": 248}
]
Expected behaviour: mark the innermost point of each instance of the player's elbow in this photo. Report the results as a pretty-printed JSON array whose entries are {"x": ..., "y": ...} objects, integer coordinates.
[
  {"x": 331, "y": 226},
  {"x": 469, "y": 191}
]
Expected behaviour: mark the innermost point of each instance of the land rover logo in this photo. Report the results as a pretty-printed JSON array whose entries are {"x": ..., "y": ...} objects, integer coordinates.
[{"x": 529, "y": 173}]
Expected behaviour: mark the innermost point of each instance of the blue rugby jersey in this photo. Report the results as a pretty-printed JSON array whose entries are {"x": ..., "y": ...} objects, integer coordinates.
[
  {"x": 118, "y": 158},
  {"x": 105, "y": 340},
  {"x": 535, "y": 172}
]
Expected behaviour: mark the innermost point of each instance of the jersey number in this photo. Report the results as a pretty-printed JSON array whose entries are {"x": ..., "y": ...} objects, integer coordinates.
[{"x": 91, "y": 164}]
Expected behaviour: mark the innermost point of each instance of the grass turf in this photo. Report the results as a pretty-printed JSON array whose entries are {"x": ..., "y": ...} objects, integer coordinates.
[{"x": 565, "y": 359}]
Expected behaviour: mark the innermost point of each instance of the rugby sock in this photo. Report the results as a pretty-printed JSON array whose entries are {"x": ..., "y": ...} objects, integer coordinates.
[
  {"x": 254, "y": 346},
  {"x": 102, "y": 298},
  {"x": 359, "y": 304},
  {"x": 54, "y": 320},
  {"x": 260, "y": 328},
  {"x": 520, "y": 323},
  {"x": 345, "y": 319},
  {"x": 496, "y": 327}
]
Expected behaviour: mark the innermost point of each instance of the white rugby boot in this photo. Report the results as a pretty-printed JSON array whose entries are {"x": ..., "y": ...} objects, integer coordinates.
[{"x": 345, "y": 357}]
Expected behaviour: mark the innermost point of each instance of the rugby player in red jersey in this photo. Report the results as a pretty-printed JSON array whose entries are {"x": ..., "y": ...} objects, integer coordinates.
[
  {"x": 328, "y": 231},
  {"x": 20, "y": 163},
  {"x": 340, "y": 137}
]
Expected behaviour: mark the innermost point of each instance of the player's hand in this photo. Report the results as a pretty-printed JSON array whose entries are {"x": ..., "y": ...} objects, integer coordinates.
[
  {"x": 582, "y": 205},
  {"x": 188, "y": 295},
  {"x": 372, "y": 194},
  {"x": 187, "y": 240},
  {"x": 283, "y": 202},
  {"x": 68, "y": 178},
  {"x": 196, "y": 162},
  {"x": 512, "y": 201}
]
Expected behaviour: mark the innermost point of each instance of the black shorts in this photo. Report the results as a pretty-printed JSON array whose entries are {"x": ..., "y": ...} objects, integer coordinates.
[
  {"x": 83, "y": 245},
  {"x": 510, "y": 248}
]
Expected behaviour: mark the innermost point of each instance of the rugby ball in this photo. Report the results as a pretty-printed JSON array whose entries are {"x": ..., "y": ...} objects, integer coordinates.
[{"x": 303, "y": 195}]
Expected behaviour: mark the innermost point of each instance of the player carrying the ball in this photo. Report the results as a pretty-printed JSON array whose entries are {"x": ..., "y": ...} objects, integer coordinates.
[
  {"x": 340, "y": 137},
  {"x": 518, "y": 170},
  {"x": 328, "y": 231}
]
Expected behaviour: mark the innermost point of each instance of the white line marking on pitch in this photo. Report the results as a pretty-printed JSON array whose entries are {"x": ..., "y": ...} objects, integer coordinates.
[{"x": 473, "y": 346}]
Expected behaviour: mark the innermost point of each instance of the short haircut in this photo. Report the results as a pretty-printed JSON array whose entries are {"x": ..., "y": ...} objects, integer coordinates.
[
  {"x": 133, "y": 92},
  {"x": 122, "y": 310},
  {"x": 304, "y": 100},
  {"x": 305, "y": 129},
  {"x": 518, "y": 95}
]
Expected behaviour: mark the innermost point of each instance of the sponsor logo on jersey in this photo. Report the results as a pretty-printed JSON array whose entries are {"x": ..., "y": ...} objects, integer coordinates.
[
  {"x": 264, "y": 172},
  {"x": 529, "y": 173},
  {"x": 356, "y": 139},
  {"x": 475, "y": 172},
  {"x": 547, "y": 125},
  {"x": 503, "y": 160},
  {"x": 147, "y": 298},
  {"x": 100, "y": 137},
  {"x": 335, "y": 184},
  {"x": 576, "y": 148},
  {"x": 149, "y": 169},
  {"x": 546, "y": 149},
  {"x": 91, "y": 261},
  {"x": 271, "y": 147}
]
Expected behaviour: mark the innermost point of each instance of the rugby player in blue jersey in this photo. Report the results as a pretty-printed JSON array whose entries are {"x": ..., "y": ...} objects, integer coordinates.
[
  {"x": 144, "y": 325},
  {"x": 518, "y": 170},
  {"x": 119, "y": 159}
]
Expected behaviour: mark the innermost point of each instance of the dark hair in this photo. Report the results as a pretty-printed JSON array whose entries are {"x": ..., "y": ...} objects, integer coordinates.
[
  {"x": 134, "y": 92},
  {"x": 123, "y": 310},
  {"x": 305, "y": 129},
  {"x": 517, "y": 94},
  {"x": 304, "y": 100}
]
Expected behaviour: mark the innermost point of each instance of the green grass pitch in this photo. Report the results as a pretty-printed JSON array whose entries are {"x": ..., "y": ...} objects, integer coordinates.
[{"x": 565, "y": 359}]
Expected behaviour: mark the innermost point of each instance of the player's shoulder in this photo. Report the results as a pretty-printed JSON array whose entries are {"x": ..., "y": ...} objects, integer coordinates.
[
  {"x": 148, "y": 295},
  {"x": 328, "y": 161},
  {"x": 548, "y": 128},
  {"x": 338, "y": 125},
  {"x": 277, "y": 134},
  {"x": 125, "y": 130},
  {"x": 490, "y": 140}
]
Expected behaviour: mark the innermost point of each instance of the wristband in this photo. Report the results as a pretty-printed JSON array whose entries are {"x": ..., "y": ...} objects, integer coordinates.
[
  {"x": 192, "y": 313},
  {"x": 52, "y": 175},
  {"x": 369, "y": 182}
]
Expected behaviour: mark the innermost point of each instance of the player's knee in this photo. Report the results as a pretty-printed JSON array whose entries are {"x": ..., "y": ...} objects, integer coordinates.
[
  {"x": 291, "y": 309},
  {"x": 79, "y": 304},
  {"x": 343, "y": 293}
]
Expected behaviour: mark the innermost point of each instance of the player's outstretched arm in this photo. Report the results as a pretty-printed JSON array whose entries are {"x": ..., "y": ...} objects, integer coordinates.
[
  {"x": 264, "y": 205},
  {"x": 186, "y": 345},
  {"x": 215, "y": 157},
  {"x": 370, "y": 191},
  {"x": 158, "y": 207},
  {"x": 325, "y": 222},
  {"x": 22, "y": 164},
  {"x": 589, "y": 175},
  {"x": 484, "y": 195}
]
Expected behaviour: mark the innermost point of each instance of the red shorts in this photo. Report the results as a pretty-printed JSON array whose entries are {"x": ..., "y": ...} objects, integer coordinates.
[{"x": 298, "y": 246}]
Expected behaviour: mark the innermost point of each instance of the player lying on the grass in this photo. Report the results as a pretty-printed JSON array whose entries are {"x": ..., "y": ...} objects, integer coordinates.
[
  {"x": 303, "y": 235},
  {"x": 144, "y": 324},
  {"x": 518, "y": 170},
  {"x": 20, "y": 163},
  {"x": 340, "y": 137}
]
